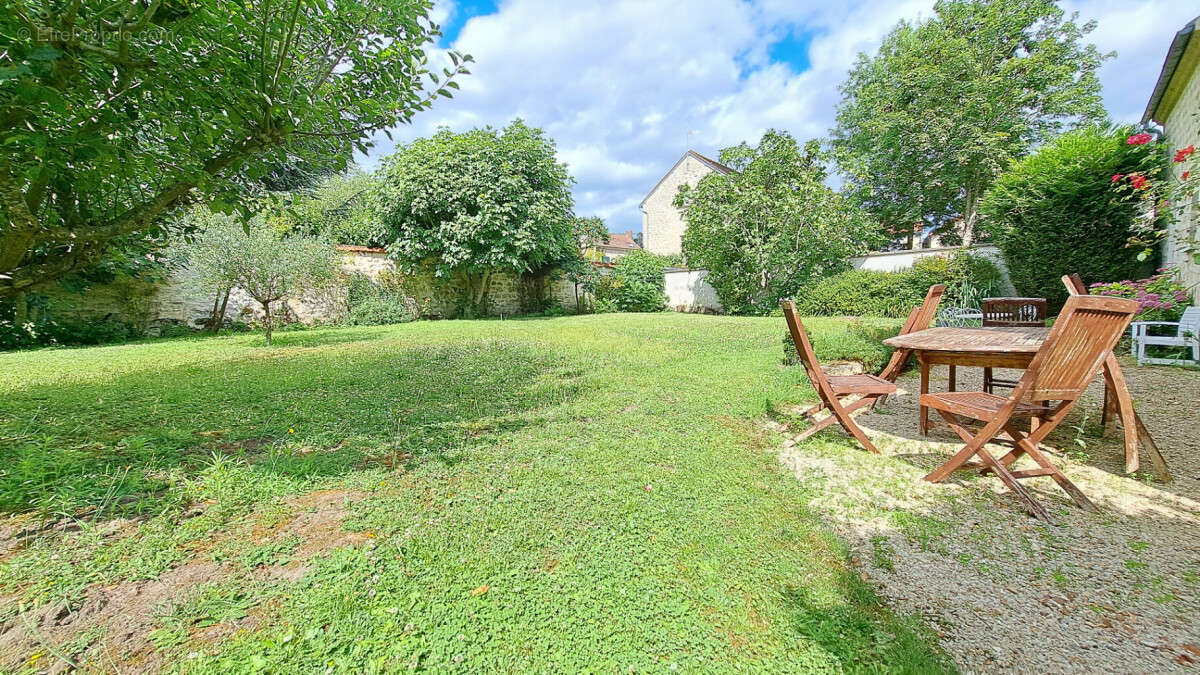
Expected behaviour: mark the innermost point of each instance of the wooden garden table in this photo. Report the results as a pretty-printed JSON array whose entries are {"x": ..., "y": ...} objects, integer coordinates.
[{"x": 1015, "y": 348}]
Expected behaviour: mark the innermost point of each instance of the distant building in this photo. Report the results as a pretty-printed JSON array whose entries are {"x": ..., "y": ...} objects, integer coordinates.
[
  {"x": 618, "y": 244},
  {"x": 1175, "y": 103},
  {"x": 662, "y": 223}
]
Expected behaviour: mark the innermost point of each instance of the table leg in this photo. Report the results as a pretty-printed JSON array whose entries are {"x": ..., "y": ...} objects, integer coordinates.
[
  {"x": 924, "y": 418},
  {"x": 953, "y": 378}
]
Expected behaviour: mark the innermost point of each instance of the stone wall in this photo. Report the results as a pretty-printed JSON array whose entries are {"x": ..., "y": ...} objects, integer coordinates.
[
  {"x": 181, "y": 300},
  {"x": 1182, "y": 128},
  {"x": 662, "y": 223}
]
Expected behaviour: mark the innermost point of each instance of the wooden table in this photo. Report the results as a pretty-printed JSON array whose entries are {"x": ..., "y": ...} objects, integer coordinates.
[{"x": 1015, "y": 348}]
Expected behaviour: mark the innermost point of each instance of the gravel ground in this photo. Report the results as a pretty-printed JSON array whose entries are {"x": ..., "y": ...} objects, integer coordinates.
[{"x": 1117, "y": 591}]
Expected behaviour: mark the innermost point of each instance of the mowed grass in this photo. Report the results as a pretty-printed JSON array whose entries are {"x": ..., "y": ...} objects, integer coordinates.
[{"x": 585, "y": 493}]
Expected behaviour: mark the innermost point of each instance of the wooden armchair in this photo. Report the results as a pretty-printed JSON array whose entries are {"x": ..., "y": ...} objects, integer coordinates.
[
  {"x": 1080, "y": 341},
  {"x": 1010, "y": 312},
  {"x": 832, "y": 390}
]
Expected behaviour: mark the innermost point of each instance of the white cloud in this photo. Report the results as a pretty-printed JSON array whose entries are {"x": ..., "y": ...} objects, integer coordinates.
[{"x": 620, "y": 84}]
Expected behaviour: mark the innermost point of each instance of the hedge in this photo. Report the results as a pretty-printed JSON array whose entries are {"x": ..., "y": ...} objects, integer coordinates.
[{"x": 894, "y": 294}]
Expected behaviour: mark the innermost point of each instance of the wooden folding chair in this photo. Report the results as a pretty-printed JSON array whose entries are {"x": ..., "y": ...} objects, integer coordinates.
[
  {"x": 918, "y": 319},
  {"x": 833, "y": 389},
  {"x": 1010, "y": 313},
  {"x": 1117, "y": 403},
  {"x": 1080, "y": 340}
]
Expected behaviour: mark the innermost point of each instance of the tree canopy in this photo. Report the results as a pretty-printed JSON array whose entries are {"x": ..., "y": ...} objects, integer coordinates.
[
  {"x": 927, "y": 123},
  {"x": 771, "y": 226},
  {"x": 474, "y": 203},
  {"x": 114, "y": 112}
]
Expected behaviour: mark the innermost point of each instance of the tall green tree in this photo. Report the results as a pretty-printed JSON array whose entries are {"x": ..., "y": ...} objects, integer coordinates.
[
  {"x": 471, "y": 204},
  {"x": 771, "y": 226},
  {"x": 113, "y": 112},
  {"x": 927, "y": 123}
]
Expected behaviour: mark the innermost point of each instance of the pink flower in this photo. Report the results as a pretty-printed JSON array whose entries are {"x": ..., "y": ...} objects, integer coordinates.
[
  {"x": 1184, "y": 153},
  {"x": 1117, "y": 176},
  {"x": 1139, "y": 181},
  {"x": 1185, "y": 175},
  {"x": 1139, "y": 139}
]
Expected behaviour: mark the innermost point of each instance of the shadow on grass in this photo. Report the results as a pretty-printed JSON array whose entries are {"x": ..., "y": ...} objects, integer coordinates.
[
  {"x": 854, "y": 629},
  {"x": 124, "y": 446}
]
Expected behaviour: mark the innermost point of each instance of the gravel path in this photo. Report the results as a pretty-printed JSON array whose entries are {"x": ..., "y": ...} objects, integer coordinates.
[{"x": 1117, "y": 591}]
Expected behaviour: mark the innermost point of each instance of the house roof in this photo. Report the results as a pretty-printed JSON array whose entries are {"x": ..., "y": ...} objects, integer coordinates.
[
  {"x": 1175, "y": 53},
  {"x": 621, "y": 240},
  {"x": 710, "y": 163}
]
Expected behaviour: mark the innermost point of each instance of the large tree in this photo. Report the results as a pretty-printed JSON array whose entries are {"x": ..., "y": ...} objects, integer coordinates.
[
  {"x": 113, "y": 112},
  {"x": 771, "y": 226},
  {"x": 471, "y": 204},
  {"x": 927, "y": 123}
]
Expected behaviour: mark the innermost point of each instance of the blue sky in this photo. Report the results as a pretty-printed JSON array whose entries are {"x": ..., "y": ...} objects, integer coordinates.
[{"x": 624, "y": 87}]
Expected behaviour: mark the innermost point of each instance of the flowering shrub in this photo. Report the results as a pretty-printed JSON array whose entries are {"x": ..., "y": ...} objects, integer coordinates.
[
  {"x": 1164, "y": 196},
  {"x": 1162, "y": 297}
]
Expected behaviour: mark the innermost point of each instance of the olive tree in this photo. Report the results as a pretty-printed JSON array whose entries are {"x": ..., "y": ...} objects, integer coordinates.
[
  {"x": 469, "y": 205},
  {"x": 112, "y": 112},
  {"x": 273, "y": 266}
]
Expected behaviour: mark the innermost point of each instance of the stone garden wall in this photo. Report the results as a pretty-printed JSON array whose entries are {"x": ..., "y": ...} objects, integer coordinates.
[{"x": 180, "y": 299}]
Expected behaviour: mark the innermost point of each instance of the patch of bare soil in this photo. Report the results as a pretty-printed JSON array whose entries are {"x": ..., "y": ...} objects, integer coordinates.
[
  {"x": 1117, "y": 591},
  {"x": 110, "y": 629}
]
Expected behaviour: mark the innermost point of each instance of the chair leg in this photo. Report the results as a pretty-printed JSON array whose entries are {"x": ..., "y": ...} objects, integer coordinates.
[
  {"x": 1019, "y": 490},
  {"x": 852, "y": 428},
  {"x": 974, "y": 443},
  {"x": 987, "y": 379},
  {"x": 1065, "y": 483},
  {"x": 975, "y": 447}
]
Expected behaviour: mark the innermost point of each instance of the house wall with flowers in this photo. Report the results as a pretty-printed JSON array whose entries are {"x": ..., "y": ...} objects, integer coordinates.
[{"x": 1179, "y": 113}]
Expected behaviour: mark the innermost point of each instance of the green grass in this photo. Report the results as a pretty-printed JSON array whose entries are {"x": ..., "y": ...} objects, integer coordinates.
[{"x": 606, "y": 478}]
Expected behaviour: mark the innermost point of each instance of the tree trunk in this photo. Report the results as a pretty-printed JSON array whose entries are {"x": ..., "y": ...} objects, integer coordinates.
[
  {"x": 20, "y": 308},
  {"x": 970, "y": 216},
  {"x": 221, "y": 314},
  {"x": 267, "y": 321},
  {"x": 212, "y": 315},
  {"x": 479, "y": 295}
]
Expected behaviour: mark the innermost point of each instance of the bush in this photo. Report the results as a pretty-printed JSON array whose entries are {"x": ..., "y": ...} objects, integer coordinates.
[
  {"x": 1162, "y": 297},
  {"x": 1056, "y": 212},
  {"x": 65, "y": 333},
  {"x": 635, "y": 284},
  {"x": 894, "y": 294},
  {"x": 372, "y": 304}
]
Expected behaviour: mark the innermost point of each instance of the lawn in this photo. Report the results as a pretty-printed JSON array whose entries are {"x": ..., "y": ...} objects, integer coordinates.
[{"x": 582, "y": 493}]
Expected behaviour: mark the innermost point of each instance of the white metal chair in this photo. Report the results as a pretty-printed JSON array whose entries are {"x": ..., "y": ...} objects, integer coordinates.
[{"x": 1187, "y": 335}]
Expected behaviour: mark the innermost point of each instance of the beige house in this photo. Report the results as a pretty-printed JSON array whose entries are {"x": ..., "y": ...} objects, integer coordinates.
[
  {"x": 1175, "y": 104},
  {"x": 618, "y": 245},
  {"x": 662, "y": 223}
]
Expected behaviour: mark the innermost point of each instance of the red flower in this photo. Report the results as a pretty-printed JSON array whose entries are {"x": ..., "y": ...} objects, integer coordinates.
[
  {"x": 1139, "y": 139},
  {"x": 1139, "y": 181},
  {"x": 1117, "y": 177},
  {"x": 1185, "y": 175},
  {"x": 1184, "y": 153}
]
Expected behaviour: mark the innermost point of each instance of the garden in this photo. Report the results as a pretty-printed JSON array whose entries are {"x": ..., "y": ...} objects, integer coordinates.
[{"x": 265, "y": 410}]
